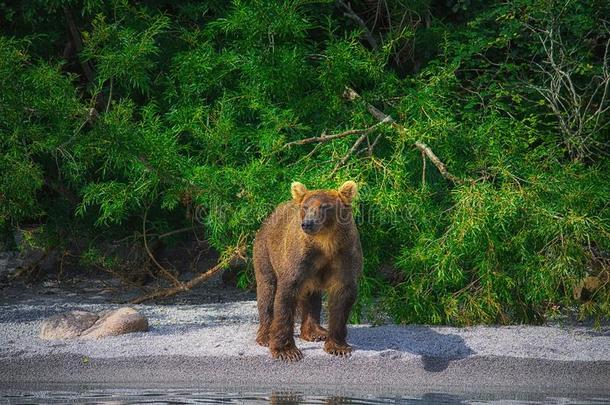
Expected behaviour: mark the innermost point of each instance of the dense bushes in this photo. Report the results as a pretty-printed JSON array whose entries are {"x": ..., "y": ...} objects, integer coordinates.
[{"x": 112, "y": 112}]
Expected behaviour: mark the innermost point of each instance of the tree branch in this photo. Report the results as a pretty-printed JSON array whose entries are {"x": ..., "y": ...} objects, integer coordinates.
[
  {"x": 579, "y": 110},
  {"x": 425, "y": 149},
  {"x": 351, "y": 95},
  {"x": 326, "y": 138},
  {"x": 351, "y": 14},
  {"x": 237, "y": 253},
  {"x": 164, "y": 271},
  {"x": 78, "y": 44},
  {"x": 423, "y": 169},
  {"x": 356, "y": 144},
  {"x": 348, "y": 154}
]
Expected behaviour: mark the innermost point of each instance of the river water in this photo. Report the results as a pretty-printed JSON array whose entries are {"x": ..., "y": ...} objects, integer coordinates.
[{"x": 87, "y": 395}]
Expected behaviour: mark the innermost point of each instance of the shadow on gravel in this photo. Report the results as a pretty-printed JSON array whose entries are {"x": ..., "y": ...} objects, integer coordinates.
[
  {"x": 437, "y": 350},
  {"x": 595, "y": 332},
  {"x": 26, "y": 312}
]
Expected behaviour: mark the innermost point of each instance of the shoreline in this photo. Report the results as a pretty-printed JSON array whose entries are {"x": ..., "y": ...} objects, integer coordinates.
[
  {"x": 477, "y": 374},
  {"x": 205, "y": 343}
]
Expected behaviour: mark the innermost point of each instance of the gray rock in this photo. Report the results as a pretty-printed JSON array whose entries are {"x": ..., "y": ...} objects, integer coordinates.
[
  {"x": 89, "y": 325},
  {"x": 117, "y": 322},
  {"x": 68, "y": 325}
]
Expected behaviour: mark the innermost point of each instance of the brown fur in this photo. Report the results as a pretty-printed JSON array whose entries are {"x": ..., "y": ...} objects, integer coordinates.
[{"x": 306, "y": 246}]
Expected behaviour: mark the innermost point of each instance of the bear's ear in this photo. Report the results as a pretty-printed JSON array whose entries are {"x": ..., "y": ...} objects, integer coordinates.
[
  {"x": 348, "y": 191},
  {"x": 298, "y": 191}
]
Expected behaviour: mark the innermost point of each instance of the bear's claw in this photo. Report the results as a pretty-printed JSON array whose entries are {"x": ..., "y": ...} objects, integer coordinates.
[
  {"x": 314, "y": 334},
  {"x": 287, "y": 354},
  {"x": 262, "y": 341},
  {"x": 262, "y": 337},
  {"x": 339, "y": 350}
]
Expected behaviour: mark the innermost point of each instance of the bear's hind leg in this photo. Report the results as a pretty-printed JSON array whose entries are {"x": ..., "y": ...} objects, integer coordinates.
[{"x": 311, "y": 306}]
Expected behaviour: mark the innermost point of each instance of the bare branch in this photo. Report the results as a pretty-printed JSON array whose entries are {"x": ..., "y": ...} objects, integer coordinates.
[
  {"x": 351, "y": 94},
  {"x": 109, "y": 96},
  {"x": 163, "y": 270},
  {"x": 348, "y": 154},
  {"x": 578, "y": 109},
  {"x": 364, "y": 135},
  {"x": 372, "y": 146},
  {"x": 425, "y": 149},
  {"x": 423, "y": 169},
  {"x": 349, "y": 13},
  {"x": 237, "y": 253},
  {"x": 326, "y": 138}
]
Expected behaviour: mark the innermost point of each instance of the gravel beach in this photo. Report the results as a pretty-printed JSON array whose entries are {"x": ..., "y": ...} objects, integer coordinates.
[{"x": 202, "y": 341}]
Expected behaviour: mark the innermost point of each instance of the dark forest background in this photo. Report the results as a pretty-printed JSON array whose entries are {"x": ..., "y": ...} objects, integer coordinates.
[{"x": 477, "y": 131}]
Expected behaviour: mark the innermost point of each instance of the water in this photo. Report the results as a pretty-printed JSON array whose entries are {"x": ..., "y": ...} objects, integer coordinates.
[{"x": 86, "y": 395}]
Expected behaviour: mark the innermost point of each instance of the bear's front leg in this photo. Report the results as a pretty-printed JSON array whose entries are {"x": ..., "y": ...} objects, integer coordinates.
[
  {"x": 341, "y": 299},
  {"x": 281, "y": 342}
]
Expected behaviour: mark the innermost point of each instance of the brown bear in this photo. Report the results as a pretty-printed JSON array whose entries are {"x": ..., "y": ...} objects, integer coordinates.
[{"x": 307, "y": 246}]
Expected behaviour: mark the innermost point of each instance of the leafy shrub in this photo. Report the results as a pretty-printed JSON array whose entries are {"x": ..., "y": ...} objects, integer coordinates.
[{"x": 164, "y": 113}]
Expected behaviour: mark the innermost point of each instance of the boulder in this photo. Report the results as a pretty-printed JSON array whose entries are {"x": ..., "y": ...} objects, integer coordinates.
[
  {"x": 89, "y": 325},
  {"x": 116, "y": 322},
  {"x": 68, "y": 325}
]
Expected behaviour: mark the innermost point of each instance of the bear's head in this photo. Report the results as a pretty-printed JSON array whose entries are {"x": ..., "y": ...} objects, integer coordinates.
[{"x": 322, "y": 210}]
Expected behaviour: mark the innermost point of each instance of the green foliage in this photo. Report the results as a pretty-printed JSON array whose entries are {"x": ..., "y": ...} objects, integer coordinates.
[
  {"x": 189, "y": 106},
  {"x": 123, "y": 53}
]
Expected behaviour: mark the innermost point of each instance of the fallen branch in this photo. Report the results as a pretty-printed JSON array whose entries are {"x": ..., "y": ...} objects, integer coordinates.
[
  {"x": 326, "y": 138},
  {"x": 371, "y": 146},
  {"x": 351, "y": 95},
  {"x": 355, "y": 146},
  {"x": 237, "y": 253},
  {"x": 348, "y": 154},
  {"x": 423, "y": 169},
  {"x": 425, "y": 149}
]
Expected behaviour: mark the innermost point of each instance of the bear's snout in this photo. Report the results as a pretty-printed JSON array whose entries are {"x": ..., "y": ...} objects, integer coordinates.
[{"x": 308, "y": 225}]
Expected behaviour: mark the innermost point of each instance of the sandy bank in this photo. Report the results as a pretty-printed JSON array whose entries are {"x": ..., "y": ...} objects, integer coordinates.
[{"x": 213, "y": 343}]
